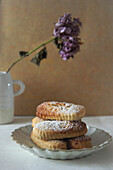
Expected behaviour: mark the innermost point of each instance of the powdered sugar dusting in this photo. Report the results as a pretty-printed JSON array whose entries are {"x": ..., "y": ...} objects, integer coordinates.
[
  {"x": 58, "y": 125},
  {"x": 63, "y": 107}
]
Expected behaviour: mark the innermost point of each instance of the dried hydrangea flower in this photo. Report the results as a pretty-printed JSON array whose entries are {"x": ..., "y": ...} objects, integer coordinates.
[
  {"x": 69, "y": 48},
  {"x": 68, "y": 30},
  {"x": 67, "y": 26}
]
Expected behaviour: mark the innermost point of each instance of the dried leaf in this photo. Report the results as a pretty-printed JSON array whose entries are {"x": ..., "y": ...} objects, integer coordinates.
[
  {"x": 58, "y": 45},
  {"x": 23, "y": 53},
  {"x": 39, "y": 56}
]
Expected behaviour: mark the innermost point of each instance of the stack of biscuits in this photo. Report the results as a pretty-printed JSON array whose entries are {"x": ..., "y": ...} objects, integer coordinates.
[{"x": 58, "y": 125}]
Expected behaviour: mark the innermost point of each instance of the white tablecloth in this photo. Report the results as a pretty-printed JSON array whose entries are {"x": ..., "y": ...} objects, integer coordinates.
[{"x": 13, "y": 157}]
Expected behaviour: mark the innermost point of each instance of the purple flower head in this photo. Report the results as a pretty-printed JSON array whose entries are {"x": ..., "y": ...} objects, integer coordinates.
[
  {"x": 69, "y": 48},
  {"x": 67, "y": 31},
  {"x": 66, "y": 26}
]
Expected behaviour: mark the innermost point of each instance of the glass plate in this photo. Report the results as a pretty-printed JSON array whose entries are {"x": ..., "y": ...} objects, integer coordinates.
[{"x": 99, "y": 137}]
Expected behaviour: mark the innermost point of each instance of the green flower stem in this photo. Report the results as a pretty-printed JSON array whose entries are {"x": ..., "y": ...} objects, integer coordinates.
[{"x": 30, "y": 52}]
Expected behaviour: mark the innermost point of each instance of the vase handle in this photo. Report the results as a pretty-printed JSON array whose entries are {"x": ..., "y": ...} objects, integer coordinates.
[{"x": 22, "y": 87}]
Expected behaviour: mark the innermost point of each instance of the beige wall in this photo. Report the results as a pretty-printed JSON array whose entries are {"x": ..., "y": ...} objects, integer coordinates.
[{"x": 87, "y": 79}]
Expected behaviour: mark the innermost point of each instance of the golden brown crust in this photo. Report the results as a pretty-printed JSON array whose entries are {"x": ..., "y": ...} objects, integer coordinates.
[
  {"x": 36, "y": 120},
  {"x": 79, "y": 142},
  {"x": 52, "y": 144},
  {"x": 48, "y": 130},
  {"x": 60, "y": 111},
  {"x": 75, "y": 143}
]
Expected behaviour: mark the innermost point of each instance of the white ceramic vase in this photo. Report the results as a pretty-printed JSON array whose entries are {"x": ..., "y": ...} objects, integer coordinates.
[{"x": 7, "y": 96}]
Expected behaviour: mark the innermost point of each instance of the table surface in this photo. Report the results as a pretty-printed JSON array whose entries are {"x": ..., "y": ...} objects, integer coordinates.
[{"x": 12, "y": 156}]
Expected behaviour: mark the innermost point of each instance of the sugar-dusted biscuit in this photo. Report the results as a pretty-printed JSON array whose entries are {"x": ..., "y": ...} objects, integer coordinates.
[
  {"x": 79, "y": 142},
  {"x": 50, "y": 144},
  {"x": 60, "y": 111},
  {"x": 48, "y": 130}
]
